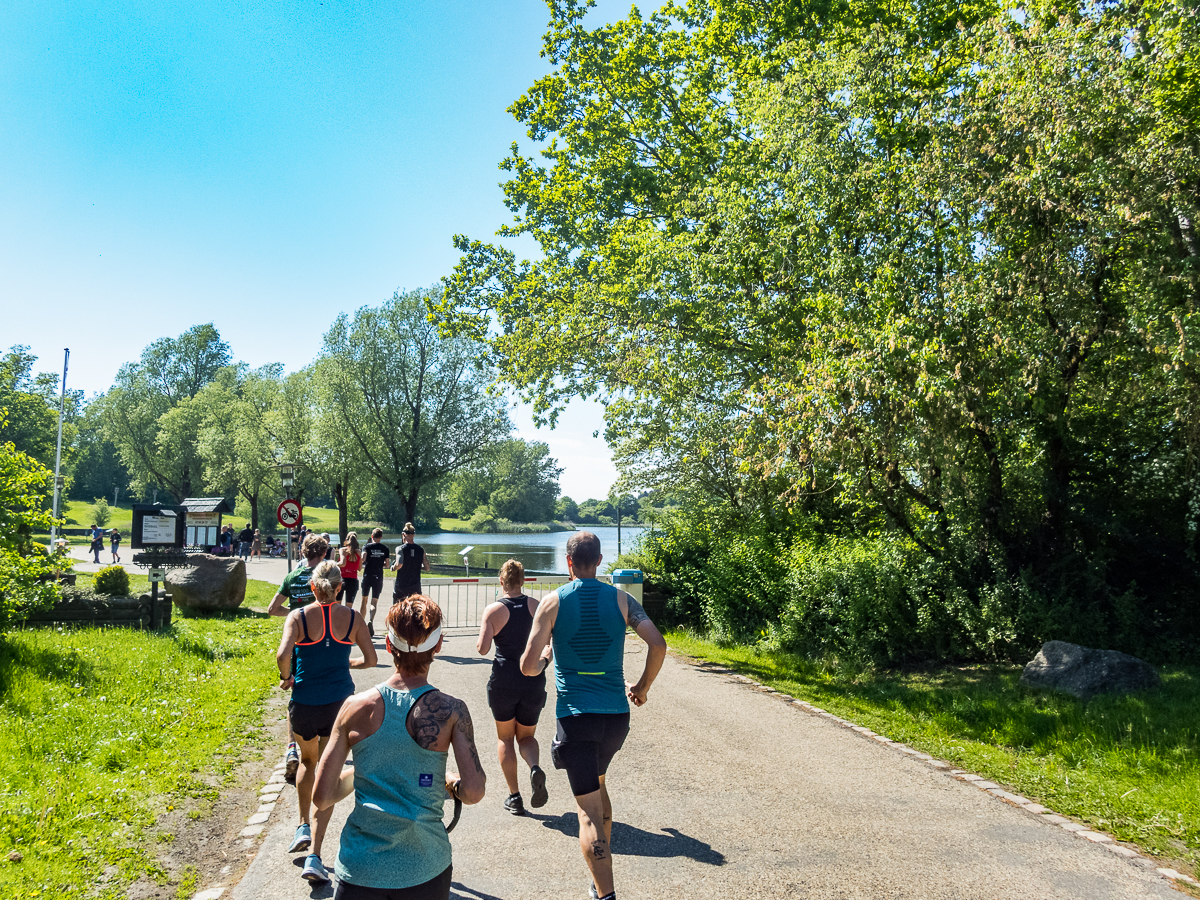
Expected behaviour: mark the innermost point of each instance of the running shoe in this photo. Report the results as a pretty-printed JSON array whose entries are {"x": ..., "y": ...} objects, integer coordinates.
[
  {"x": 302, "y": 840},
  {"x": 537, "y": 779},
  {"x": 515, "y": 805},
  {"x": 371, "y": 629},
  {"x": 314, "y": 870},
  {"x": 291, "y": 762},
  {"x": 593, "y": 894}
]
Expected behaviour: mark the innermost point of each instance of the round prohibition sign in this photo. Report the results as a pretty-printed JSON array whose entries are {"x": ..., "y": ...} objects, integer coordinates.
[{"x": 289, "y": 514}]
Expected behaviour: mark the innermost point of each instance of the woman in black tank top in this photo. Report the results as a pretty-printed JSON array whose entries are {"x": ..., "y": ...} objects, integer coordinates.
[{"x": 516, "y": 700}]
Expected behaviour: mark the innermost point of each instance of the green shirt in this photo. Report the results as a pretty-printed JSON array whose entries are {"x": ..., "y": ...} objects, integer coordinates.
[{"x": 296, "y": 587}]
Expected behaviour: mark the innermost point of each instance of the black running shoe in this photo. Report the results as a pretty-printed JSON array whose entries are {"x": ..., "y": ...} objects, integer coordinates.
[
  {"x": 537, "y": 779},
  {"x": 515, "y": 805},
  {"x": 371, "y": 629}
]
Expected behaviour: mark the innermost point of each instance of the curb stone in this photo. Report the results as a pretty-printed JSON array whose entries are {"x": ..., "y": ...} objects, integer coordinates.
[{"x": 988, "y": 787}]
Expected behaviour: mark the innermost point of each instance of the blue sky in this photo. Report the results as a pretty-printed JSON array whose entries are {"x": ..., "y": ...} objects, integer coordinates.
[{"x": 260, "y": 166}]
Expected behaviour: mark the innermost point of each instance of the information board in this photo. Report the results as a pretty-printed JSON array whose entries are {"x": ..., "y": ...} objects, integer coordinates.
[
  {"x": 157, "y": 526},
  {"x": 158, "y": 530}
]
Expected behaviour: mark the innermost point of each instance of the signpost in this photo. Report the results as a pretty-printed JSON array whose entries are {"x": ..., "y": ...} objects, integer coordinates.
[
  {"x": 289, "y": 513},
  {"x": 463, "y": 553},
  {"x": 158, "y": 532}
]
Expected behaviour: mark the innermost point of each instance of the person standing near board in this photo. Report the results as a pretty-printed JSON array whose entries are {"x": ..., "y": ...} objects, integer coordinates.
[{"x": 410, "y": 561}]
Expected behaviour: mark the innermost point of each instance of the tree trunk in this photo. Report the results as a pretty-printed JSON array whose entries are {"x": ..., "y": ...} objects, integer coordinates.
[
  {"x": 341, "y": 493},
  {"x": 410, "y": 506}
]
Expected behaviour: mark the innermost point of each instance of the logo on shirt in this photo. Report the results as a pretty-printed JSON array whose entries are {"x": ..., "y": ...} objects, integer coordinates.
[{"x": 425, "y": 779}]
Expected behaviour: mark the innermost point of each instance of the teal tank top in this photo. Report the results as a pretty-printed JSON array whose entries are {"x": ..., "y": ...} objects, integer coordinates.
[
  {"x": 589, "y": 650},
  {"x": 394, "y": 837}
]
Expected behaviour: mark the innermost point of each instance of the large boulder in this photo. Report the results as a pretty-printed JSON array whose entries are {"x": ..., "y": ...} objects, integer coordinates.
[
  {"x": 1084, "y": 672},
  {"x": 210, "y": 583}
]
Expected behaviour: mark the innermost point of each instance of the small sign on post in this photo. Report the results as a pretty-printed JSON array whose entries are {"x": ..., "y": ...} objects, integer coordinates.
[{"x": 289, "y": 513}]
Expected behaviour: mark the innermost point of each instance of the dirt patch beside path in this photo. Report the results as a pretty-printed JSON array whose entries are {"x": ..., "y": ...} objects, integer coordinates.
[{"x": 199, "y": 843}]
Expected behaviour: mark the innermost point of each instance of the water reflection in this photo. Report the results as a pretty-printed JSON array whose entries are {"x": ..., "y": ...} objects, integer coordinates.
[{"x": 544, "y": 553}]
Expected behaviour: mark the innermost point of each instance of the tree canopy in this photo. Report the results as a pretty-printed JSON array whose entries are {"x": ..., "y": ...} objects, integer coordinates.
[
  {"x": 415, "y": 403},
  {"x": 922, "y": 267}
]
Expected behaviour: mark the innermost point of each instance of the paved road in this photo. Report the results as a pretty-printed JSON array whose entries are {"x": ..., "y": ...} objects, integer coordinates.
[{"x": 723, "y": 791}]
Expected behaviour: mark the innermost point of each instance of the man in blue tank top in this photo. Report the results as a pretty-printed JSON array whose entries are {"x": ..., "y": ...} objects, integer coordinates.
[{"x": 585, "y": 621}]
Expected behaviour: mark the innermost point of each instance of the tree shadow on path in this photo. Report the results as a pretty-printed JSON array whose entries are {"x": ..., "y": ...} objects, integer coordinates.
[{"x": 631, "y": 841}]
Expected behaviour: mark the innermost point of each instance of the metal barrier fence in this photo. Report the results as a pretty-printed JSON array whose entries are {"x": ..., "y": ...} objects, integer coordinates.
[{"x": 463, "y": 600}]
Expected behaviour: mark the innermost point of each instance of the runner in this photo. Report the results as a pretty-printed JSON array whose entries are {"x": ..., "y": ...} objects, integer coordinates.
[
  {"x": 256, "y": 545},
  {"x": 585, "y": 623},
  {"x": 349, "y": 559},
  {"x": 394, "y": 844},
  {"x": 516, "y": 700},
  {"x": 315, "y": 663},
  {"x": 296, "y": 591},
  {"x": 410, "y": 560},
  {"x": 375, "y": 557}
]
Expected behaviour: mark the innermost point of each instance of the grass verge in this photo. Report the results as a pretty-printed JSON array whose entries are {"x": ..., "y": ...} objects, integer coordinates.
[
  {"x": 1129, "y": 765},
  {"x": 107, "y": 728}
]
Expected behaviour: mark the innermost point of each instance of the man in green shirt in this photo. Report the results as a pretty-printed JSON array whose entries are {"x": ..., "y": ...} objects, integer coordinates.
[{"x": 294, "y": 593}]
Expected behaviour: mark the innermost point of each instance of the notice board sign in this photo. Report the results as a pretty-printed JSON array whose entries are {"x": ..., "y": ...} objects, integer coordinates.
[{"x": 156, "y": 526}]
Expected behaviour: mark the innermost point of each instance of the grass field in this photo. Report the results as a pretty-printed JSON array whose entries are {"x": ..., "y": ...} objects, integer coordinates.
[
  {"x": 106, "y": 729},
  {"x": 1129, "y": 766}
]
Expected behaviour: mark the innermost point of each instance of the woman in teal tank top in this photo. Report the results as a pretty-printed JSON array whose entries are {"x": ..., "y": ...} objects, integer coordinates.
[{"x": 393, "y": 843}]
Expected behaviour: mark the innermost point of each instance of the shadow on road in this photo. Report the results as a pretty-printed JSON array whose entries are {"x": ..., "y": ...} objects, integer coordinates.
[
  {"x": 632, "y": 841},
  {"x": 460, "y": 891},
  {"x": 316, "y": 891},
  {"x": 465, "y": 660}
]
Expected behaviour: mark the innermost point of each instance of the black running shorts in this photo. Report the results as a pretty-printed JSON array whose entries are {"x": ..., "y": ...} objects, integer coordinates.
[
  {"x": 310, "y": 722},
  {"x": 350, "y": 590},
  {"x": 516, "y": 696},
  {"x": 436, "y": 888},
  {"x": 372, "y": 584},
  {"x": 585, "y": 745}
]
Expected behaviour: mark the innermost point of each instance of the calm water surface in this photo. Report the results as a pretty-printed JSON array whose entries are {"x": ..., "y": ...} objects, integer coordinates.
[{"x": 546, "y": 553}]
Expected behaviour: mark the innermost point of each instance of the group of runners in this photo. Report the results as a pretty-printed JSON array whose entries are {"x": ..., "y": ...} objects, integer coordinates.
[{"x": 394, "y": 844}]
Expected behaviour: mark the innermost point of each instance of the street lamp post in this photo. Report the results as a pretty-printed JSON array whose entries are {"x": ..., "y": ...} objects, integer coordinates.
[{"x": 287, "y": 474}]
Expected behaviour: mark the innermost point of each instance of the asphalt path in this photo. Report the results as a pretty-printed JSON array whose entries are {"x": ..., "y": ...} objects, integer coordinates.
[{"x": 725, "y": 791}]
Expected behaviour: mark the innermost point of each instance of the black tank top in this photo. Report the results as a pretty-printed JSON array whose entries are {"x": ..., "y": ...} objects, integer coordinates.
[{"x": 512, "y": 638}]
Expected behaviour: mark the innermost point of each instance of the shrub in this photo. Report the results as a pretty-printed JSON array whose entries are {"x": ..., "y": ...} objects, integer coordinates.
[
  {"x": 100, "y": 512},
  {"x": 113, "y": 581},
  {"x": 482, "y": 521}
]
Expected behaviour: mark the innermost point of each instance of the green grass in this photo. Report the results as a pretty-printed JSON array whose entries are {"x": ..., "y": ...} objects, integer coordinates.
[
  {"x": 1129, "y": 765},
  {"x": 106, "y": 729},
  {"x": 81, "y": 514}
]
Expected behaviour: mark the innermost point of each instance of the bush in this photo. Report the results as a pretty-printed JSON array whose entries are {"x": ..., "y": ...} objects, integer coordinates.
[
  {"x": 113, "y": 581},
  {"x": 482, "y": 521},
  {"x": 100, "y": 512}
]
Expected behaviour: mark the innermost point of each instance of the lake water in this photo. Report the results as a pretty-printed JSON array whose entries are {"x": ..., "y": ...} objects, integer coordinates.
[{"x": 545, "y": 553}]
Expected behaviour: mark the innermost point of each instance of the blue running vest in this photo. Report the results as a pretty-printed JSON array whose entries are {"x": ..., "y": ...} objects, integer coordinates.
[{"x": 589, "y": 650}]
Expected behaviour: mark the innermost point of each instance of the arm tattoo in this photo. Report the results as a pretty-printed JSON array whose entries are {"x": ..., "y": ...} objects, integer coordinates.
[
  {"x": 467, "y": 728},
  {"x": 637, "y": 615},
  {"x": 430, "y": 717}
]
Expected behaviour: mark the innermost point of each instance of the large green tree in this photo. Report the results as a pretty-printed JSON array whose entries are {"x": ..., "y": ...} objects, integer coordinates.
[
  {"x": 929, "y": 267},
  {"x": 151, "y": 416},
  {"x": 32, "y": 401},
  {"x": 517, "y": 480},
  {"x": 415, "y": 403}
]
